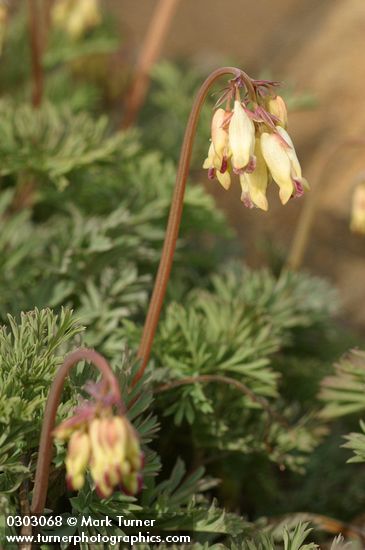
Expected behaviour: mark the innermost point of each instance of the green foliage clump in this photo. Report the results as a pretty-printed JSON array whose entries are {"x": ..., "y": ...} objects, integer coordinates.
[{"x": 28, "y": 361}]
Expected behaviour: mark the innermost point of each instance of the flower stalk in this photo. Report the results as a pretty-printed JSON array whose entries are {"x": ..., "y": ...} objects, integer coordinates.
[{"x": 173, "y": 224}]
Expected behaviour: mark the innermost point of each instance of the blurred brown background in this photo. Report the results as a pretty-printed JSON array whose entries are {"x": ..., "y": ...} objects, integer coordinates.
[{"x": 317, "y": 46}]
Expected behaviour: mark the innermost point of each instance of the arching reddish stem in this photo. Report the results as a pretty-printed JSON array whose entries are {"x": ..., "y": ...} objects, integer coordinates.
[{"x": 174, "y": 220}]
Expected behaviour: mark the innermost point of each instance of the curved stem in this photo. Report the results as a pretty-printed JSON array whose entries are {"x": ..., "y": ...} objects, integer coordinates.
[
  {"x": 156, "y": 33},
  {"x": 224, "y": 380},
  {"x": 174, "y": 220},
  {"x": 36, "y": 52},
  {"x": 303, "y": 229},
  {"x": 46, "y": 442}
]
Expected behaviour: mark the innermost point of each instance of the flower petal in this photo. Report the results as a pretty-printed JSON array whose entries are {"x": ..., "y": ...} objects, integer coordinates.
[
  {"x": 241, "y": 137},
  {"x": 279, "y": 164}
]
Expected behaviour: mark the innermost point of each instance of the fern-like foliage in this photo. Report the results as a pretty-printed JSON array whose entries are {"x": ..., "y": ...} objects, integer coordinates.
[
  {"x": 50, "y": 143},
  {"x": 342, "y": 393},
  {"x": 290, "y": 539},
  {"x": 232, "y": 333},
  {"x": 30, "y": 351},
  {"x": 356, "y": 442}
]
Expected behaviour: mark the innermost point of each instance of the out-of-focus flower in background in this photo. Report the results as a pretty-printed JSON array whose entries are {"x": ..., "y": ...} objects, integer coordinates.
[
  {"x": 357, "y": 224},
  {"x": 76, "y": 16}
]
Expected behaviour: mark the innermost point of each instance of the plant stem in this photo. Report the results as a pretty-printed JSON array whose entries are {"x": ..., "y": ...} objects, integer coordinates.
[
  {"x": 224, "y": 380},
  {"x": 36, "y": 52},
  {"x": 46, "y": 442},
  {"x": 174, "y": 220},
  {"x": 312, "y": 203},
  {"x": 150, "y": 51}
]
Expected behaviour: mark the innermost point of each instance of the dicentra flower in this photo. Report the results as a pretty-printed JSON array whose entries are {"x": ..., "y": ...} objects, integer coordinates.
[
  {"x": 248, "y": 138},
  {"x": 241, "y": 139},
  {"x": 357, "y": 224},
  {"x": 282, "y": 161},
  {"x": 103, "y": 443},
  {"x": 254, "y": 185}
]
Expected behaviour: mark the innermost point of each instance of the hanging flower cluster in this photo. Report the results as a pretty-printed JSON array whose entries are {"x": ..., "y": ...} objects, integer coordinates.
[
  {"x": 249, "y": 138},
  {"x": 357, "y": 224},
  {"x": 105, "y": 443},
  {"x": 76, "y": 16}
]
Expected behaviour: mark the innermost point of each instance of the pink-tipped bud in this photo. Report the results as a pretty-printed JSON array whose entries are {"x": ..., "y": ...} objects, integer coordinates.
[{"x": 277, "y": 107}]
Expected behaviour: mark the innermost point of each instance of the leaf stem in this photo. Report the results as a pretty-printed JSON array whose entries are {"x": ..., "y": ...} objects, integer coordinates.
[{"x": 224, "y": 380}]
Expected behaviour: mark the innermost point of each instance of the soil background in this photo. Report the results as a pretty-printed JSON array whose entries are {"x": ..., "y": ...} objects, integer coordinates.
[{"x": 317, "y": 46}]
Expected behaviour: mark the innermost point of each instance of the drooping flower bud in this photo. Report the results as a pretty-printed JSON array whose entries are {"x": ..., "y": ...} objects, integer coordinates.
[
  {"x": 254, "y": 184},
  {"x": 282, "y": 161},
  {"x": 100, "y": 459},
  {"x": 219, "y": 136},
  {"x": 357, "y": 224},
  {"x": 217, "y": 167},
  {"x": 116, "y": 454},
  {"x": 241, "y": 137},
  {"x": 277, "y": 107},
  {"x": 105, "y": 443},
  {"x": 212, "y": 162},
  {"x": 78, "y": 454}
]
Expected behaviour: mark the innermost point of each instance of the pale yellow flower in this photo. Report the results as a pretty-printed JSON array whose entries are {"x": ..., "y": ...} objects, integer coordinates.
[
  {"x": 357, "y": 224},
  {"x": 78, "y": 454},
  {"x": 76, "y": 16},
  {"x": 248, "y": 138},
  {"x": 254, "y": 185},
  {"x": 106, "y": 444},
  {"x": 241, "y": 137},
  {"x": 282, "y": 161},
  {"x": 219, "y": 135}
]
